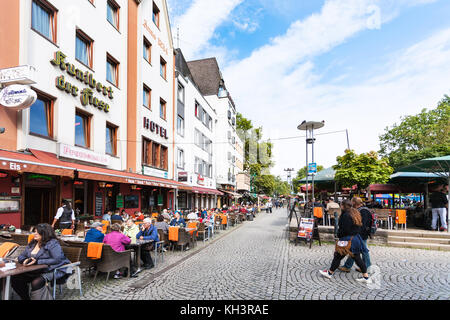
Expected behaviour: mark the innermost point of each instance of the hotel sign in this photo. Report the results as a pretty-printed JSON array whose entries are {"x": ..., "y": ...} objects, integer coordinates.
[
  {"x": 81, "y": 154},
  {"x": 154, "y": 127}
]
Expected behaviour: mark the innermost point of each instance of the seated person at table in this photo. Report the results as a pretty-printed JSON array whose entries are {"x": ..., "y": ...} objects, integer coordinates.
[
  {"x": 148, "y": 232},
  {"x": 125, "y": 216},
  {"x": 95, "y": 233},
  {"x": 161, "y": 224},
  {"x": 178, "y": 221},
  {"x": 166, "y": 215},
  {"x": 192, "y": 215},
  {"x": 131, "y": 229},
  {"x": 116, "y": 216},
  {"x": 117, "y": 241},
  {"x": 107, "y": 216},
  {"x": 203, "y": 214},
  {"x": 139, "y": 216},
  {"x": 43, "y": 249}
]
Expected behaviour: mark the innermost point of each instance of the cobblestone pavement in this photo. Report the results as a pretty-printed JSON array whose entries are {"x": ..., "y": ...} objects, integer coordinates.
[{"x": 255, "y": 261}]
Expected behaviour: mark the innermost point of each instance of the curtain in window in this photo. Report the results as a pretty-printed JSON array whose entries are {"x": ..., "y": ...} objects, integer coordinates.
[
  {"x": 40, "y": 20},
  {"x": 110, "y": 72},
  {"x": 81, "y": 51},
  {"x": 109, "y": 141},
  {"x": 112, "y": 15}
]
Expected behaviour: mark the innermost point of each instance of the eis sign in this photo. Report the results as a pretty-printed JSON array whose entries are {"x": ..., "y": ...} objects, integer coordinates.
[{"x": 87, "y": 94}]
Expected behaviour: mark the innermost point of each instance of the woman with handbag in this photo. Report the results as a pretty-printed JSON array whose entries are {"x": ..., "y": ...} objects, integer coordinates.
[
  {"x": 349, "y": 243},
  {"x": 43, "y": 249}
]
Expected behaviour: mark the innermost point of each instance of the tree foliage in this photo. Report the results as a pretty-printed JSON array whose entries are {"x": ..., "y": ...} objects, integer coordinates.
[
  {"x": 417, "y": 137},
  {"x": 361, "y": 169}
]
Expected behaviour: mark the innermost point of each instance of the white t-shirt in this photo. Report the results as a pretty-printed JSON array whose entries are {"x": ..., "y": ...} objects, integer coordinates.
[
  {"x": 60, "y": 212},
  {"x": 192, "y": 216}
]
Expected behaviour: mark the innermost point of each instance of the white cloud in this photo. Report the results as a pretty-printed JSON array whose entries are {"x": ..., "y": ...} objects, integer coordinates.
[
  {"x": 198, "y": 23},
  {"x": 276, "y": 86}
]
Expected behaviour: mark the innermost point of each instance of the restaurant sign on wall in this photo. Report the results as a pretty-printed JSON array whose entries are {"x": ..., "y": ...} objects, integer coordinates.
[{"x": 87, "y": 94}]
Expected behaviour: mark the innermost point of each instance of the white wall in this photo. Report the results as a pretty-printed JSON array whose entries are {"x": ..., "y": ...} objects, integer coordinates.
[{"x": 37, "y": 51}]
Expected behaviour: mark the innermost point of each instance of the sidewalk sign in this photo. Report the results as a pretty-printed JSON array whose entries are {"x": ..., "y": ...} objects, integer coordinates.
[{"x": 308, "y": 231}]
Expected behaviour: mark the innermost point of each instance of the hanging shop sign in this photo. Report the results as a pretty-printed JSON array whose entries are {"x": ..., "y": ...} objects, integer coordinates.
[
  {"x": 17, "y": 97},
  {"x": 182, "y": 176},
  {"x": 200, "y": 180},
  {"x": 18, "y": 75},
  {"x": 81, "y": 154},
  {"x": 119, "y": 201},
  {"x": 87, "y": 94},
  {"x": 154, "y": 127}
]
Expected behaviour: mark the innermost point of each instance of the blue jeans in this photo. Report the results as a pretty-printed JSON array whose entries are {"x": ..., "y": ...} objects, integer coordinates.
[{"x": 365, "y": 257}]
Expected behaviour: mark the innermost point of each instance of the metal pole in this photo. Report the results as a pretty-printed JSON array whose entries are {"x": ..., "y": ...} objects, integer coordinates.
[
  {"x": 306, "y": 168},
  {"x": 348, "y": 144},
  {"x": 312, "y": 160}
]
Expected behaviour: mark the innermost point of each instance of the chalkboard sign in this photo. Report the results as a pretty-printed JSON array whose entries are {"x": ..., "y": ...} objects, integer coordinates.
[
  {"x": 151, "y": 201},
  {"x": 98, "y": 204},
  {"x": 131, "y": 201},
  {"x": 160, "y": 200}
]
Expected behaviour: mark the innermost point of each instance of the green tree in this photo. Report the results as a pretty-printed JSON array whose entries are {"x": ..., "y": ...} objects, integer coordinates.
[
  {"x": 420, "y": 136},
  {"x": 361, "y": 169},
  {"x": 281, "y": 187},
  {"x": 301, "y": 174},
  {"x": 264, "y": 184}
]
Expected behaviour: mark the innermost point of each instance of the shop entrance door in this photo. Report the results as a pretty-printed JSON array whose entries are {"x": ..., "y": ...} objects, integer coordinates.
[{"x": 38, "y": 206}]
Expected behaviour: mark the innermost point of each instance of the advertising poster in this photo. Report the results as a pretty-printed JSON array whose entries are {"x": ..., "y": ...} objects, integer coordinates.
[{"x": 305, "y": 230}]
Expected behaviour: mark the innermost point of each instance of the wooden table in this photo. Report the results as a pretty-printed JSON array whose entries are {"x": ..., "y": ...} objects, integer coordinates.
[{"x": 13, "y": 272}]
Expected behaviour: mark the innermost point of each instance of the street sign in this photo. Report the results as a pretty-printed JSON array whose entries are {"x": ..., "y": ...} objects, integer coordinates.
[{"x": 312, "y": 168}]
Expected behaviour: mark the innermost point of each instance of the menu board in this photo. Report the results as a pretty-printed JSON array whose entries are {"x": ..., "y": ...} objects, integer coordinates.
[
  {"x": 119, "y": 202},
  {"x": 306, "y": 228},
  {"x": 98, "y": 204}
]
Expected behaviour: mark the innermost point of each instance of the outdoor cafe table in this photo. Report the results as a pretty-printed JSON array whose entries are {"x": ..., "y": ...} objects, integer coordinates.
[
  {"x": 136, "y": 246},
  {"x": 6, "y": 275}
]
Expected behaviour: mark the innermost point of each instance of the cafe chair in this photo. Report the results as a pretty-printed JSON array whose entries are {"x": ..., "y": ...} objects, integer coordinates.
[
  {"x": 113, "y": 261},
  {"x": 85, "y": 262},
  {"x": 73, "y": 254},
  {"x": 7, "y": 248},
  {"x": 203, "y": 232},
  {"x": 14, "y": 254}
]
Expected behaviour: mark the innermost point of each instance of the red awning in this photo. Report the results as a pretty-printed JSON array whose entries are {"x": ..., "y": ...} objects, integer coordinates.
[
  {"x": 206, "y": 191},
  {"x": 22, "y": 162},
  {"x": 384, "y": 188},
  {"x": 47, "y": 163}
]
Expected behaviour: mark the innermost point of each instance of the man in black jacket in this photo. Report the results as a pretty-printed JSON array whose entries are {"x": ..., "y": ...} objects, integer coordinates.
[
  {"x": 364, "y": 232},
  {"x": 439, "y": 202}
]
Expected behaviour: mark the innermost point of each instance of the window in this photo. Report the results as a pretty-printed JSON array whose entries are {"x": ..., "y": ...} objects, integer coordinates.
[
  {"x": 162, "y": 109},
  {"x": 196, "y": 109},
  {"x": 146, "y": 151},
  {"x": 112, "y": 70},
  {"x": 180, "y": 126},
  {"x": 180, "y": 159},
  {"x": 44, "y": 19},
  {"x": 111, "y": 139},
  {"x": 82, "y": 129},
  {"x": 112, "y": 13},
  {"x": 155, "y": 16},
  {"x": 180, "y": 92},
  {"x": 41, "y": 116},
  {"x": 162, "y": 68},
  {"x": 146, "y": 96},
  {"x": 163, "y": 158},
  {"x": 147, "y": 51},
  {"x": 84, "y": 48},
  {"x": 155, "y": 154}
]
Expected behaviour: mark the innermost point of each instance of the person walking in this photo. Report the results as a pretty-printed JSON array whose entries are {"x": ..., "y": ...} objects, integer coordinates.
[
  {"x": 350, "y": 242},
  {"x": 439, "y": 202},
  {"x": 364, "y": 232},
  {"x": 65, "y": 215},
  {"x": 269, "y": 206}
]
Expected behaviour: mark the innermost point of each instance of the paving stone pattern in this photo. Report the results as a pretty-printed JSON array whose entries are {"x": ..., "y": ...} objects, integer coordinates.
[{"x": 256, "y": 261}]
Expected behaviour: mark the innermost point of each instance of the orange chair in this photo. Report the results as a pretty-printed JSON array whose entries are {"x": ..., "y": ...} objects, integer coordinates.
[
  {"x": 105, "y": 225},
  {"x": 30, "y": 238},
  {"x": 400, "y": 217},
  {"x": 66, "y": 232},
  {"x": 173, "y": 233},
  {"x": 94, "y": 250},
  {"x": 6, "y": 248},
  {"x": 155, "y": 215},
  {"x": 318, "y": 212}
]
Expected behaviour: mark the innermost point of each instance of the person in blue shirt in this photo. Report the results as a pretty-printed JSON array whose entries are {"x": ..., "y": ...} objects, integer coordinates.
[
  {"x": 107, "y": 216},
  {"x": 95, "y": 234},
  {"x": 148, "y": 232},
  {"x": 178, "y": 221},
  {"x": 116, "y": 216}
]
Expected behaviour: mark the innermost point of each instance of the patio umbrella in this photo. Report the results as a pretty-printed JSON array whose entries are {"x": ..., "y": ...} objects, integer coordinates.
[{"x": 439, "y": 166}]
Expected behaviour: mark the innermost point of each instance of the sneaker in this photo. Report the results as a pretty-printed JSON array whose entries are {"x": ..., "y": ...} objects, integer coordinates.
[
  {"x": 325, "y": 273},
  {"x": 344, "y": 269},
  {"x": 164, "y": 249},
  {"x": 187, "y": 248},
  {"x": 117, "y": 276},
  {"x": 364, "y": 280}
]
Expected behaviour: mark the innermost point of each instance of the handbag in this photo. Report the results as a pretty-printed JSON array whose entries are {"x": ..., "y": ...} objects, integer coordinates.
[
  {"x": 343, "y": 247},
  {"x": 42, "y": 293}
]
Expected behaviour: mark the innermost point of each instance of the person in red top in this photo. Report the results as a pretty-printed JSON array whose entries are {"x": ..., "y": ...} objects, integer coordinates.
[{"x": 139, "y": 216}]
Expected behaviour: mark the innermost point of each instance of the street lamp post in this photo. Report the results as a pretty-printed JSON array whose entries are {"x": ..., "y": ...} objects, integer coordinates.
[{"x": 309, "y": 127}]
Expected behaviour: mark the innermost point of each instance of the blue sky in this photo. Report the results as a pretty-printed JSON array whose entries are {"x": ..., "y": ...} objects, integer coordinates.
[{"x": 357, "y": 64}]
